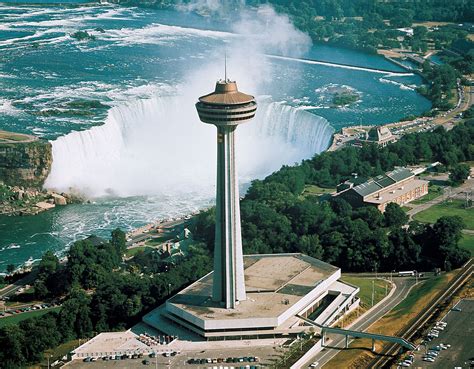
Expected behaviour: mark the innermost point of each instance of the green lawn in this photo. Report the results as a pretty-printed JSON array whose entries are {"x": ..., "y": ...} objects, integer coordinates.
[
  {"x": 365, "y": 285},
  {"x": 467, "y": 242},
  {"x": 433, "y": 192},
  {"x": 455, "y": 207},
  {"x": 417, "y": 294},
  {"x": 136, "y": 250},
  {"x": 14, "y": 319},
  {"x": 313, "y": 190}
]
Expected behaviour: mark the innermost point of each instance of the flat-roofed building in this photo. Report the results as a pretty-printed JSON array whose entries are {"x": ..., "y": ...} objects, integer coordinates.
[
  {"x": 382, "y": 136},
  {"x": 399, "y": 186},
  {"x": 282, "y": 290}
]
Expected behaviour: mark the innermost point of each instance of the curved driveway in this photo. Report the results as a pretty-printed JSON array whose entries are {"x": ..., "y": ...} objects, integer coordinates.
[{"x": 402, "y": 285}]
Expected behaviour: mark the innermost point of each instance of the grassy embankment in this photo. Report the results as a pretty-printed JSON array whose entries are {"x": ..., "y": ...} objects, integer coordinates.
[
  {"x": 467, "y": 242},
  {"x": 13, "y": 137},
  {"x": 455, "y": 207},
  {"x": 57, "y": 353},
  {"x": 312, "y": 190},
  {"x": 381, "y": 289},
  {"x": 358, "y": 355},
  {"x": 136, "y": 250},
  {"x": 15, "y": 319}
]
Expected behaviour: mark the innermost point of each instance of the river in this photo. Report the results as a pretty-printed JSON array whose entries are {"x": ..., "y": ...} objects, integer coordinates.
[{"x": 119, "y": 108}]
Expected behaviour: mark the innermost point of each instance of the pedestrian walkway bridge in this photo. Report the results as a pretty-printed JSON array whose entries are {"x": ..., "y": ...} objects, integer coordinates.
[{"x": 350, "y": 333}]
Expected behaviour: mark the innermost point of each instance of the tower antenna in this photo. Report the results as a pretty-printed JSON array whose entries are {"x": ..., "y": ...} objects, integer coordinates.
[{"x": 225, "y": 66}]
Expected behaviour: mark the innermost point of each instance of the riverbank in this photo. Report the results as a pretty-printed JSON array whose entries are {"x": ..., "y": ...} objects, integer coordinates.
[
  {"x": 25, "y": 162},
  {"x": 19, "y": 201},
  {"x": 448, "y": 119}
]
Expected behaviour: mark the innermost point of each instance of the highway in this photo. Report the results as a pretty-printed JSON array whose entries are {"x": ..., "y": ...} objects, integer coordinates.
[
  {"x": 464, "y": 274},
  {"x": 402, "y": 288}
]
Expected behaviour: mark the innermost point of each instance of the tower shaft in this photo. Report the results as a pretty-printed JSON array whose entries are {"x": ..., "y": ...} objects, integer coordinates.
[
  {"x": 226, "y": 108},
  {"x": 229, "y": 282}
]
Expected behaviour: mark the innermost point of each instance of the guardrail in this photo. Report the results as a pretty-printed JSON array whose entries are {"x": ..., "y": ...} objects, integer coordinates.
[{"x": 423, "y": 317}]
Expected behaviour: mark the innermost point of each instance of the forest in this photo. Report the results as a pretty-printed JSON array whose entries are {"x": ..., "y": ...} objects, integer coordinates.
[{"x": 98, "y": 292}]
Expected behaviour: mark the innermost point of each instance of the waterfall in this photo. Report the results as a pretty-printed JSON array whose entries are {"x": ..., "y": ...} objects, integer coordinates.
[{"x": 157, "y": 146}]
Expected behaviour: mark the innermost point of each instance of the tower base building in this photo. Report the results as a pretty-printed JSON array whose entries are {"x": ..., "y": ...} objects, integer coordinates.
[{"x": 282, "y": 291}]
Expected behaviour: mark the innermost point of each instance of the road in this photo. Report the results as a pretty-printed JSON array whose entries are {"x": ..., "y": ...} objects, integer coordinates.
[
  {"x": 465, "y": 103},
  {"x": 12, "y": 288},
  {"x": 403, "y": 286}
]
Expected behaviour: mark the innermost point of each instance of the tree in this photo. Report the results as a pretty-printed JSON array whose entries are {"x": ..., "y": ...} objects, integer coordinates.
[
  {"x": 447, "y": 231},
  {"x": 119, "y": 241},
  {"x": 49, "y": 264},
  {"x": 395, "y": 216},
  {"x": 459, "y": 173},
  {"x": 12, "y": 340}
]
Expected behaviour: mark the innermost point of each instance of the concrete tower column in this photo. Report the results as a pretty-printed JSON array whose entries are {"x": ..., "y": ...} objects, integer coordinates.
[
  {"x": 228, "y": 258},
  {"x": 226, "y": 108}
]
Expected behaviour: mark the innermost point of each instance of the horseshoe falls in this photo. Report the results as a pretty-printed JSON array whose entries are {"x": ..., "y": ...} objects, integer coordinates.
[{"x": 155, "y": 146}]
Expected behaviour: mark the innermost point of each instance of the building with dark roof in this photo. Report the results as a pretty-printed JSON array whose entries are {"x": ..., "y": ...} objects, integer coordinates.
[{"x": 399, "y": 186}]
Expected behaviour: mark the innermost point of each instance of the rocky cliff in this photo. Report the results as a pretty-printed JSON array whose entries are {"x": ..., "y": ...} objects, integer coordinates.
[{"x": 24, "y": 160}]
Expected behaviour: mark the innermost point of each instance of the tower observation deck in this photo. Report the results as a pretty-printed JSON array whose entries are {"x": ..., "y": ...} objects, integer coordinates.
[{"x": 226, "y": 108}]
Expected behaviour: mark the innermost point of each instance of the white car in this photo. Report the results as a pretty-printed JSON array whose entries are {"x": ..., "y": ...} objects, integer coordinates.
[
  {"x": 429, "y": 359},
  {"x": 314, "y": 365}
]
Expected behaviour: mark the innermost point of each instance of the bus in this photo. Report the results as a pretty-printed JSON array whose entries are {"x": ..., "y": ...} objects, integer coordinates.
[{"x": 407, "y": 273}]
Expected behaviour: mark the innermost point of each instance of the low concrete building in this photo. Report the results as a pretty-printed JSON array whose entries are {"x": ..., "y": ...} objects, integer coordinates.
[
  {"x": 399, "y": 186},
  {"x": 382, "y": 136},
  {"x": 281, "y": 289}
]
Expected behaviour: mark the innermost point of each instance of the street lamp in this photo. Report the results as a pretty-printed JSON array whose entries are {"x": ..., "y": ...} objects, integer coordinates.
[{"x": 373, "y": 291}]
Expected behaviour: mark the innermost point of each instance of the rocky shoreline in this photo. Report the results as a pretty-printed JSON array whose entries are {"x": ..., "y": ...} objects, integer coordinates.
[
  {"x": 17, "y": 201},
  {"x": 25, "y": 162}
]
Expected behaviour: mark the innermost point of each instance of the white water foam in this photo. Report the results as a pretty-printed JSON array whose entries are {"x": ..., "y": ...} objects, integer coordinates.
[
  {"x": 158, "y": 34},
  {"x": 401, "y": 85},
  {"x": 158, "y": 147},
  {"x": 7, "y": 108}
]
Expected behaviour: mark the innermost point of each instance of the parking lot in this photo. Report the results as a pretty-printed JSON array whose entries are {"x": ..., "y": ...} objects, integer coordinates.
[
  {"x": 459, "y": 333},
  {"x": 266, "y": 356}
]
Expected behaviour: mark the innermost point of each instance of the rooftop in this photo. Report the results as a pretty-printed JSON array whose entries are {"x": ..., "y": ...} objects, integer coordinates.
[
  {"x": 379, "y": 134},
  {"x": 383, "y": 181},
  {"x": 273, "y": 284},
  {"x": 388, "y": 196},
  {"x": 226, "y": 93}
]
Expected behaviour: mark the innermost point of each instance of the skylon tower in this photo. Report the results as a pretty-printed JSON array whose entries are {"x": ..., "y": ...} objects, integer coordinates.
[{"x": 226, "y": 108}]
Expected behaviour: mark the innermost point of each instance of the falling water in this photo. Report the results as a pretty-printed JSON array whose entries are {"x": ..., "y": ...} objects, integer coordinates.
[{"x": 158, "y": 146}]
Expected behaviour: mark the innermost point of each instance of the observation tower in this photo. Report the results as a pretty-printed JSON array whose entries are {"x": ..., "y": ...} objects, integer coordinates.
[{"x": 226, "y": 108}]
